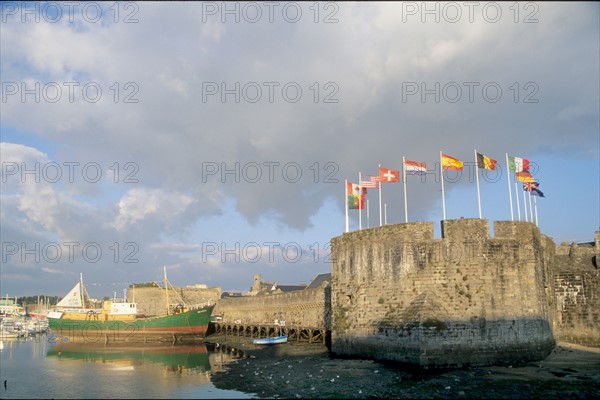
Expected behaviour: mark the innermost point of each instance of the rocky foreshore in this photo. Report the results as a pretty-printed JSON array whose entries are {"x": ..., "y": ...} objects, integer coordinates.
[{"x": 301, "y": 370}]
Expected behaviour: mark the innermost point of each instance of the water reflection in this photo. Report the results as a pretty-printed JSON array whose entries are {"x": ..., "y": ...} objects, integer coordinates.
[
  {"x": 76, "y": 370},
  {"x": 176, "y": 358},
  {"x": 201, "y": 357}
]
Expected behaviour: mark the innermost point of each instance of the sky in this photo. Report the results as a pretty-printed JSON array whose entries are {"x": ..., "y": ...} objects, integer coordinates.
[{"x": 214, "y": 139}]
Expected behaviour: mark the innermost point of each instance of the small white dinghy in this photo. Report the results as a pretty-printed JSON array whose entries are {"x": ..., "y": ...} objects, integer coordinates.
[
  {"x": 271, "y": 340},
  {"x": 275, "y": 339}
]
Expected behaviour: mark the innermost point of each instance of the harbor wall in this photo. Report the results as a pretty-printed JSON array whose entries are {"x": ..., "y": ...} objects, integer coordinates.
[
  {"x": 305, "y": 308},
  {"x": 152, "y": 300},
  {"x": 398, "y": 294},
  {"x": 577, "y": 293},
  {"x": 467, "y": 299}
]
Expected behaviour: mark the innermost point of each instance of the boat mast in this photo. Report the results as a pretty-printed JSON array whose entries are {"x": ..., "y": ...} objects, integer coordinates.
[
  {"x": 81, "y": 290},
  {"x": 166, "y": 289}
]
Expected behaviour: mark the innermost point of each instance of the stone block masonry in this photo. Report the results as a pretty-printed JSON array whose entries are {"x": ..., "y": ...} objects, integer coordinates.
[
  {"x": 305, "y": 308},
  {"x": 467, "y": 299},
  {"x": 152, "y": 300},
  {"x": 577, "y": 293}
]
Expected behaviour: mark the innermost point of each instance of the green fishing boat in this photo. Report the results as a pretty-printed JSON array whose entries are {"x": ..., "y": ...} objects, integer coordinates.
[{"x": 118, "y": 321}]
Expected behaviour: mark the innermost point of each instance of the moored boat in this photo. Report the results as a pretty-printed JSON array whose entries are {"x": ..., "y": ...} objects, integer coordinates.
[
  {"x": 274, "y": 339},
  {"x": 271, "y": 340},
  {"x": 11, "y": 328},
  {"x": 118, "y": 321},
  {"x": 10, "y": 334}
]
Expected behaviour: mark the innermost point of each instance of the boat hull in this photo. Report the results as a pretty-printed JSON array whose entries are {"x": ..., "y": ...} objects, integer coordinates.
[
  {"x": 271, "y": 340},
  {"x": 188, "y": 326}
]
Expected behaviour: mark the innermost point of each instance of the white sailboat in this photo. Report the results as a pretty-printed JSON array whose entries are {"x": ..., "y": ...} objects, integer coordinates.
[{"x": 74, "y": 302}]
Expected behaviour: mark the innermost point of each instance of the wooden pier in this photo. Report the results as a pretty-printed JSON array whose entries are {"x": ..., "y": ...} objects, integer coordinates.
[{"x": 252, "y": 331}]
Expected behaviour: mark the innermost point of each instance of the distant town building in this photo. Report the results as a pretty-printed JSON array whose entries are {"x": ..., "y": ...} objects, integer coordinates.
[
  {"x": 231, "y": 294},
  {"x": 262, "y": 288},
  {"x": 10, "y": 307},
  {"x": 318, "y": 281}
]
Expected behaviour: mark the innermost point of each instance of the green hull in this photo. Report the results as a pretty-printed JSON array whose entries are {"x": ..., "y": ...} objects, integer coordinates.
[{"x": 188, "y": 326}]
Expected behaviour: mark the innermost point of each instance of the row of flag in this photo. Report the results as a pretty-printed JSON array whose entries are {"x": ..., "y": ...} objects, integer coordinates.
[{"x": 356, "y": 193}]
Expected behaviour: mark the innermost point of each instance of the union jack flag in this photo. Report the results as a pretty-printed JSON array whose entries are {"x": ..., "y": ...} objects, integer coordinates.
[{"x": 533, "y": 188}]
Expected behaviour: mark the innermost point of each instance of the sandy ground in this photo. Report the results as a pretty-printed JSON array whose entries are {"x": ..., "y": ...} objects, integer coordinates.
[{"x": 297, "y": 370}]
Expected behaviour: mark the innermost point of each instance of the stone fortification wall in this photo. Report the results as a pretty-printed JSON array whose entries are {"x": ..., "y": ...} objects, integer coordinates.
[
  {"x": 577, "y": 293},
  {"x": 305, "y": 308},
  {"x": 466, "y": 299},
  {"x": 152, "y": 300}
]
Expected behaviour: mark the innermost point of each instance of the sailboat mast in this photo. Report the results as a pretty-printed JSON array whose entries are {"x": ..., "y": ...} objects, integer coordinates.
[{"x": 81, "y": 289}]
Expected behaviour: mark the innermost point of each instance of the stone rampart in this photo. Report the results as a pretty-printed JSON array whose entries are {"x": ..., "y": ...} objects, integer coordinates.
[
  {"x": 466, "y": 299},
  {"x": 153, "y": 300},
  {"x": 305, "y": 308},
  {"x": 577, "y": 293}
]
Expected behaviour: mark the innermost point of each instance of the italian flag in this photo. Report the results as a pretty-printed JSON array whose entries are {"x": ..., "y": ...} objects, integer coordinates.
[{"x": 518, "y": 164}]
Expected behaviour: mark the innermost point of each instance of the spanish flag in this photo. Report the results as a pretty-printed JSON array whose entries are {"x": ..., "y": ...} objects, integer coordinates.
[
  {"x": 485, "y": 162},
  {"x": 451, "y": 163}
]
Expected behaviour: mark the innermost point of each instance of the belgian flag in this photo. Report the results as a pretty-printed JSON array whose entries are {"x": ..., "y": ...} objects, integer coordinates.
[{"x": 485, "y": 162}]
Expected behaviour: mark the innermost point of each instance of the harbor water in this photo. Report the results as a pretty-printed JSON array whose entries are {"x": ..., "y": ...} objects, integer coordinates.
[
  {"x": 233, "y": 367},
  {"x": 38, "y": 367}
]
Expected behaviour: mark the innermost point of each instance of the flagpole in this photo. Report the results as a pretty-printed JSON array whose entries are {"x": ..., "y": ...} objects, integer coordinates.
[
  {"x": 380, "y": 221},
  {"x": 443, "y": 198},
  {"x": 404, "y": 180},
  {"x": 359, "y": 202},
  {"x": 536, "y": 214},
  {"x": 385, "y": 206},
  {"x": 477, "y": 176},
  {"x": 518, "y": 201},
  {"x": 530, "y": 210},
  {"x": 512, "y": 215},
  {"x": 368, "y": 224},
  {"x": 525, "y": 206},
  {"x": 346, "y": 205}
]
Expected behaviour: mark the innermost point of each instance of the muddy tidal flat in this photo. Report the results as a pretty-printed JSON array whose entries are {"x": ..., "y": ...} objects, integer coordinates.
[{"x": 300, "y": 370}]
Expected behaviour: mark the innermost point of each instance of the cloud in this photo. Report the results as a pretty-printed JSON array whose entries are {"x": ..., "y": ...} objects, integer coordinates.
[
  {"x": 376, "y": 85},
  {"x": 140, "y": 204}
]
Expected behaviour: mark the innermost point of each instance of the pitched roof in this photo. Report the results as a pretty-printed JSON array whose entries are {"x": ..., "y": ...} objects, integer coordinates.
[
  {"x": 290, "y": 288},
  {"x": 318, "y": 280}
]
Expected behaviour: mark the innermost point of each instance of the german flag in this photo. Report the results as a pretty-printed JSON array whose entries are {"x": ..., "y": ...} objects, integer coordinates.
[
  {"x": 524, "y": 176},
  {"x": 485, "y": 162}
]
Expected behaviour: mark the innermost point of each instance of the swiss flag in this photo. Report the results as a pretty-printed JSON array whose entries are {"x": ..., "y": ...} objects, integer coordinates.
[{"x": 388, "y": 175}]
